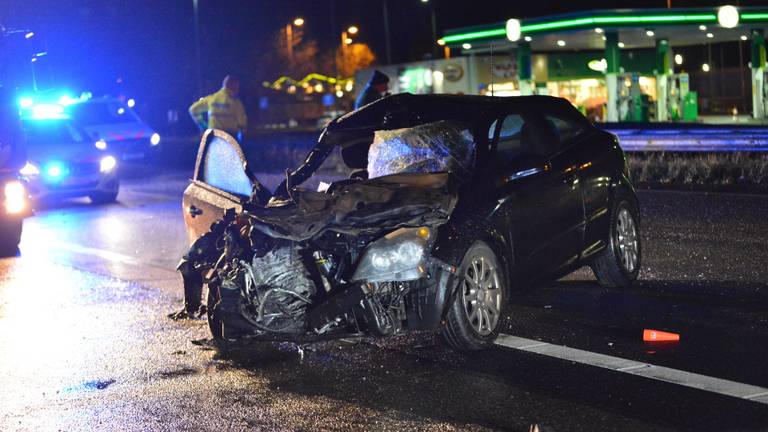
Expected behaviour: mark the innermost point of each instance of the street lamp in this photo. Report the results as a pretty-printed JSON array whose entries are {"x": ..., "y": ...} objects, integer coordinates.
[
  {"x": 433, "y": 20},
  {"x": 198, "y": 61},
  {"x": 385, "y": 14},
  {"x": 346, "y": 35},
  {"x": 346, "y": 40},
  {"x": 298, "y": 22}
]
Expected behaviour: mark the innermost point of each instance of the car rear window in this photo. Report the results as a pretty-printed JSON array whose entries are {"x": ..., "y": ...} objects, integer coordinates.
[
  {"x": 515, "y": 138},
  {"x": 565, "y": 129}
]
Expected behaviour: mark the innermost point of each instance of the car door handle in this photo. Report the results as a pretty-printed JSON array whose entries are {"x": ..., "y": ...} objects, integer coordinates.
[{"x": 194, "y": 211}]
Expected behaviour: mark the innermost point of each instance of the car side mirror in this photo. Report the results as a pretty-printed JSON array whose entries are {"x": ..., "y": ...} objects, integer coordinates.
[{"x": 525, "y": 166}]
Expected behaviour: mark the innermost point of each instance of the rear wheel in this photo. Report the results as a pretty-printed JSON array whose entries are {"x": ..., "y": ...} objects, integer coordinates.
[
  {"x": 10, "y": 237},
  {"x": 619, "y": 264},
  {"x": 474, "y": 319}
]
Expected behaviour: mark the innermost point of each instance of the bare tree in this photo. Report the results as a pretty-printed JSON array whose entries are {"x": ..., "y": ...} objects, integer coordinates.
[{"x": 353, "y": 57}]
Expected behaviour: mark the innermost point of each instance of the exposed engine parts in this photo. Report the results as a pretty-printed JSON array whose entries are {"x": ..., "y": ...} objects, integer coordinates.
[{"x": 324, "y": 265}]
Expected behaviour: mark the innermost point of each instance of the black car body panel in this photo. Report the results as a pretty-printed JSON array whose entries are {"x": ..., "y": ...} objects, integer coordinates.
[{"x": 539, "y": 194}]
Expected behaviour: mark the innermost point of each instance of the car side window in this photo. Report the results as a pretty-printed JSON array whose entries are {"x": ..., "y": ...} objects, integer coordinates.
[
  {"x": 514, "y": 137},
  {"x": 564, "y": 129},
  {"x": 223, "y": 168}
]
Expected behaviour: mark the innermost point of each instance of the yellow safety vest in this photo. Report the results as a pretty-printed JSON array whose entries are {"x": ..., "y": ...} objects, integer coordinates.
[{"x": 224, "y": 112}]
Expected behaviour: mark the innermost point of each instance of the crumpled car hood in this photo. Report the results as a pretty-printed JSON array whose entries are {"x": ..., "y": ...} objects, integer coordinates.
[{"x": 360, "y": 207}]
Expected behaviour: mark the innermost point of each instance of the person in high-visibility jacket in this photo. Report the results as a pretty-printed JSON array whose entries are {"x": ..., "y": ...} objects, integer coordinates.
[{"x": 221, "y": 110}]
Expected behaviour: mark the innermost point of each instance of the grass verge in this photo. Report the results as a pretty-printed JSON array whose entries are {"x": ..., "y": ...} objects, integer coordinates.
[{"x": 738, "y": 172}]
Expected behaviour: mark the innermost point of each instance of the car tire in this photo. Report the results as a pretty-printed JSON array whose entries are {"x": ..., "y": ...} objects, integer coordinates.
[
  {"x": 474, "y": 318},
  {"x": 105, "y": 197},
  {"x": 10, "y": 237},
  {"x": 217, "y": 330},
  {"x": 618, "y": 265}
]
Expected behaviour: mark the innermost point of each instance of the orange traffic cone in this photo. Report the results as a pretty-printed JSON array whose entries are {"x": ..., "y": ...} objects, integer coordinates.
[{"x": 659, "y": 336}]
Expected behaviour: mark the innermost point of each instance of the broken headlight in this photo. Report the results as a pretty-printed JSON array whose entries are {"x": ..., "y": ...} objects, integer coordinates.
[{"x": 398, "y": 256}]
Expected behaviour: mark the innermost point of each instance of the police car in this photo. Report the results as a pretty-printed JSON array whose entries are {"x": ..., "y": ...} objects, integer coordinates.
[
  {"x": 14, "y": 199},
  {"x": 114, "y": 122},
  {"x": 64, "y": 161}
]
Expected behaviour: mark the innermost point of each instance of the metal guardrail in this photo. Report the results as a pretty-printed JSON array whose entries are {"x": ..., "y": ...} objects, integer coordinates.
[{"x": 690, "y": 138}]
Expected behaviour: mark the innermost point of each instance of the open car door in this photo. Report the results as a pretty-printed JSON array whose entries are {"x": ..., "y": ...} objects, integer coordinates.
[{"x": 221, "y": 181}]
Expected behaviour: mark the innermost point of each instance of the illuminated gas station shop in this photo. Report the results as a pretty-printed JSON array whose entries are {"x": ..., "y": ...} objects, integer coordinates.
[{"x": 619, "y": 65}]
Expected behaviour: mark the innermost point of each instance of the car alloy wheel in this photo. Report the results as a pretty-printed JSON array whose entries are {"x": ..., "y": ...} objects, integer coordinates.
[
  {"x": 626, "y": 240},
  {"x": 481, "y": 292}
]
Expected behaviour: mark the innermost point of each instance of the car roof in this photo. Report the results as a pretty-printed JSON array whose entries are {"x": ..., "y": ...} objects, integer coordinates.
[{"x": 408, "y": 110}]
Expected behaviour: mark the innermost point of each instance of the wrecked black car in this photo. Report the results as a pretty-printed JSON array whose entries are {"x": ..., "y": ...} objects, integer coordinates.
[{"x": 452, "y": 204}]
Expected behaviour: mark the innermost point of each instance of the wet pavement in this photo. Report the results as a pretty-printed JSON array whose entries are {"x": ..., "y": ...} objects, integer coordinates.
[{"x": 85, "y": 343}]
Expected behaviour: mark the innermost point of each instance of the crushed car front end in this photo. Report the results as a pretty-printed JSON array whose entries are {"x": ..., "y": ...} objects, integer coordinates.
[
  {"x": 357, "y": 258},
  {"x": 353, "y": 262}
]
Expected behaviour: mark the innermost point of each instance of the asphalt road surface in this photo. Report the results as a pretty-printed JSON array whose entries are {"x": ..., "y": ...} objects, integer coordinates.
[{"x": 85, "y": 343}]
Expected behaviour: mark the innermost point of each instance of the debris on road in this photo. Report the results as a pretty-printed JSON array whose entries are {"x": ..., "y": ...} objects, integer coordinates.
[{"x": 659, "y": 336}]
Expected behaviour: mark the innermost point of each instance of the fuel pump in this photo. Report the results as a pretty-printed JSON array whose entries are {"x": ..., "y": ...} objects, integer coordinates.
[
  {"x": 632, "y": 104},
  {"x": 682, "y": 103}
]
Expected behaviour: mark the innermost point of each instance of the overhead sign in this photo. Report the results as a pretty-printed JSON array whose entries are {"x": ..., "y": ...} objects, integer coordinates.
[
  {"x": 453, "y": 72},
  {"x": 514, "y": 31},
  {"x": 598, "y": 65}
]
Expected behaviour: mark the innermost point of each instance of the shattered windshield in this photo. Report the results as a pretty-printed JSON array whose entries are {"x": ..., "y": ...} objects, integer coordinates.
[{"x": 434, "y": 147}]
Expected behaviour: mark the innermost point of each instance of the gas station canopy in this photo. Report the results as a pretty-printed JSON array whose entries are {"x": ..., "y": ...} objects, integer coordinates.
[
  {"x": 636, "y": 28},
  {"x": 650, "y": 33}
]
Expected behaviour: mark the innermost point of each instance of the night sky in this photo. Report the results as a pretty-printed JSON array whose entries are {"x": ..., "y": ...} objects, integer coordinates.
[{"x": 150, "y": 43}]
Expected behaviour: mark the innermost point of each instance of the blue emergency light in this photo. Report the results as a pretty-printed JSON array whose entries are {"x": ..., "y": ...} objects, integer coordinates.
[
  {"x": 47, "y": 112},
  {"x": 55, "y": 171}
]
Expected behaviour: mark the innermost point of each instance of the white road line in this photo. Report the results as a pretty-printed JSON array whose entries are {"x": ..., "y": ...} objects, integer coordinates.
[
  {"x": 646, "y": 370},
  {"x": 106, "y": 255}
]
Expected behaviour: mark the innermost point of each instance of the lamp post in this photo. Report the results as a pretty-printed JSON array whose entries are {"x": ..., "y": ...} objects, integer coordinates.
[
  {"x": 298, "y": 22},
  {"x": 385, "y": 11},
  {"x": 433, "y": 19},
  {"x": 346, "y": 39},
  {"x": 198, "y": 72}
]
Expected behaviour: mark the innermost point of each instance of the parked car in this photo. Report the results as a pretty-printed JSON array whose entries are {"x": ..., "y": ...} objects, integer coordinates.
[
  {"x": 63, "y": 161},
  {"x": 117, "y": 124},
  {"x": 14, "y": 194},
  {"x": 15, "y": 207},
  {"x": 454, "y": 203}
]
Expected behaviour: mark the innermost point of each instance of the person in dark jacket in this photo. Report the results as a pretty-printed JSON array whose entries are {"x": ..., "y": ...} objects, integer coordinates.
[{"x": 375, "y": 89}]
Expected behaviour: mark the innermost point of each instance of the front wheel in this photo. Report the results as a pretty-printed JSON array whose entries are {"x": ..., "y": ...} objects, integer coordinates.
[
  {"x": 619, "y": 264},
  {"x": 10, "y": 237},
  {"x": 474, "y": 319},
  {"x": 215, "y": 325},
  {"x": 106, "y": 196}
]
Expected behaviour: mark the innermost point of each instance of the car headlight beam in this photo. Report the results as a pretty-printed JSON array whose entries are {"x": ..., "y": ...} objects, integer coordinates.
[
  {"x": 29, "y": 169},
  {"x": 398, "y": 256},
  {"x": 154, "y": 139},
  {"x": 107, "y": 164},
  {"x": 15, "y": 197}
]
